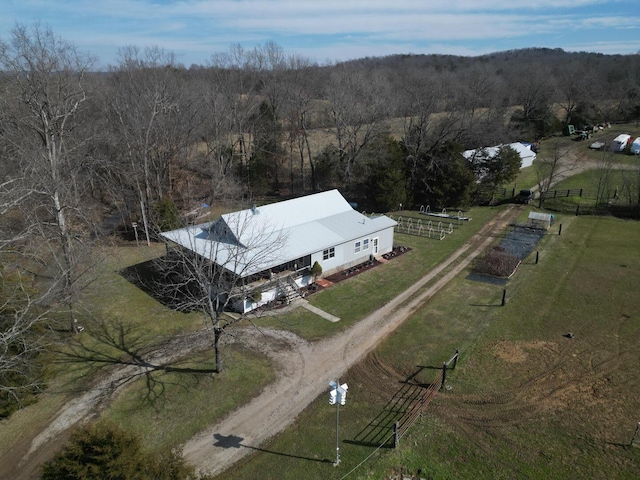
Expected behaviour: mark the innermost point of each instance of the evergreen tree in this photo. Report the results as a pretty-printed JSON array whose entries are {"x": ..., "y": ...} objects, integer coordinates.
[{"x": 104, "y": 451}]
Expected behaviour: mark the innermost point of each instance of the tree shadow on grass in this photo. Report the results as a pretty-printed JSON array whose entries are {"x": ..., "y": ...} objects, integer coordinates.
[
  {"x": 233, "y": 441},
  {"x": 122, "y": 353}
]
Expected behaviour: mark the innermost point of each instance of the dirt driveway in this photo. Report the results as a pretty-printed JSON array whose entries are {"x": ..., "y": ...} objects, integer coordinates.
[{"x": 305, "y": 372}]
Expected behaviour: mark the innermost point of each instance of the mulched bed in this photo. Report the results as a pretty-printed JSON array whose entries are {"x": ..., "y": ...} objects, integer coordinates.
[{"x": 356, "y": 270}]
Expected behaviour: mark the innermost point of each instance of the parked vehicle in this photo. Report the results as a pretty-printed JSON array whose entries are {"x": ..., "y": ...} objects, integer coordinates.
[
  {"x": 620, "y": 142},
  {"x": 525, "y": 196},
  {"x": 635, "y": 146}
]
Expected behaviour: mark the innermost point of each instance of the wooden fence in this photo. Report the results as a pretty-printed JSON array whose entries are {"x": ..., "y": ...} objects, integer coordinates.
[{"x": 504, "y": 193}]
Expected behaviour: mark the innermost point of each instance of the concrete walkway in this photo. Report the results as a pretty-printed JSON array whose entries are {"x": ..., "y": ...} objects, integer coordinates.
[{"x": 327, "y": 316}]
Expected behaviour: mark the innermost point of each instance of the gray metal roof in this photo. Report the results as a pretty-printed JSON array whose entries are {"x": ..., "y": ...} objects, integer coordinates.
[
  {"x": 545, "y": 217},
  {"x": 256, "y": 239}
]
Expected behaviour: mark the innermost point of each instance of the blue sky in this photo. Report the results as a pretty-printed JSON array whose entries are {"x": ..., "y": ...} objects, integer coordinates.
[{"x": 332, "y": 30}]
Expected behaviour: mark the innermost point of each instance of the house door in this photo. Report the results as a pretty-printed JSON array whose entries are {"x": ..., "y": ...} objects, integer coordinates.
[{"x": 375, "y": 246}]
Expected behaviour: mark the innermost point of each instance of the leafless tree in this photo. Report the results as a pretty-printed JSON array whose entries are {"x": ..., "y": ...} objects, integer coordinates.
[
  {"x": 533, "y": 99},
  {"x": 551, "y": 168},
  {"x": 21, "y": 336},
  {"x": 630, "y": 188},
  {"x": 603, "y": 179},
  {"x": 210, "y": 268},
  {"x": 574, "y": 82},
  {"x": 233, "y": 92},
  {"x": 356, "y": 106},
  {"x": 44, "y": 131},
  {"x": 151, "y": 121}
]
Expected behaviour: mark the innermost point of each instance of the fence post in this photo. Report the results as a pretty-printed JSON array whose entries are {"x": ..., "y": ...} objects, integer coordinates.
[
  {"x": 560, "y": 229},
  {"x": 444, "y": 374},
  {"x": 455, "y": 359},
  {"x": 633, "y": 439},
  {"x": 581, "y": 192},
  {"x": 504, "y": 297},
  {"x": 396, "y": 435},
  {"x": 577, "y": 210},
  {"x": 537, "y": 256}
]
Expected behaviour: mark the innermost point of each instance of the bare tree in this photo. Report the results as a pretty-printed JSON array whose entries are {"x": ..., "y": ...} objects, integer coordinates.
[
  {"x": 298, "y": 126},
  {"x": 43, "y": 127},
  {"x": 356, "y": 107},
  {"x": 533, "y": 96},
  {"x": 574, "y": 82},
  {"x": 20, "y": 341},
  {"x": 630, "y": 188},
  {"x": 551, "y": 168},
  {"x": 234, "y": 92},
  {"x": 151, "y": 122},
  {"x": 214, "y": 267},
  {"x": 603, "y": 179}
]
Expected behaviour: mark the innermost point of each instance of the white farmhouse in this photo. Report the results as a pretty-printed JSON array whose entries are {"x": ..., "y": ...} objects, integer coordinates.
[{"x": 272, "y": 247}]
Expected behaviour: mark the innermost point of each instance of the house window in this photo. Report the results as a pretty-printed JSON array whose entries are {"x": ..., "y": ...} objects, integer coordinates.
[
  {"x": 358, "y": 246},
  {"x": 328, "y": 253},
  {"x": 365, "y": 244}
]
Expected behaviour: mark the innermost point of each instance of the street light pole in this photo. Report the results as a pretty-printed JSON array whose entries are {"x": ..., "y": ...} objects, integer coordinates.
[
  {"x": 337, "y": 396},
  {"x": 337, "y": 462}
]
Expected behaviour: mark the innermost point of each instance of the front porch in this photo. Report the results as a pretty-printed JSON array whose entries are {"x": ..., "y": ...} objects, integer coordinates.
[{"x": 282, "y": 283}]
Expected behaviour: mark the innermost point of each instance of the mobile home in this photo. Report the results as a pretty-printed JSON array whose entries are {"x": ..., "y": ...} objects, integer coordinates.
[{"x": 620, "y": 142}]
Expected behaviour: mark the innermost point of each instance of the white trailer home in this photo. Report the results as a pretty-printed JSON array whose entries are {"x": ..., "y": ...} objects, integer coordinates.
[{"x": 620, "y": 142}]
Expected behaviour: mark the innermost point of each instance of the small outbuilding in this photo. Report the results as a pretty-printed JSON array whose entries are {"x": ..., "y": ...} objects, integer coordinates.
[{"x": 541, "y": 220}]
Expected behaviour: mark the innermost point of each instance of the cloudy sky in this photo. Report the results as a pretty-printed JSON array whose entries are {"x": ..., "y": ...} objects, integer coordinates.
[{"x": 330, "y": 30}]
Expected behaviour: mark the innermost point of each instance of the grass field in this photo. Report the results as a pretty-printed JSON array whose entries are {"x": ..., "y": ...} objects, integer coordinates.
[
  {"x": 525, "y": 401},
  {"x": 354, "y": 299}
]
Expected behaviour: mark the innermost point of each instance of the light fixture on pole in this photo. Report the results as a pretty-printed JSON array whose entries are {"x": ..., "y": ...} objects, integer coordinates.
[{"x": 337, "y": 397}]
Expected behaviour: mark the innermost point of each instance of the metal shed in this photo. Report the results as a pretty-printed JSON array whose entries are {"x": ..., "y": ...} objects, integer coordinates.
[{"x": 541, "y": 220}]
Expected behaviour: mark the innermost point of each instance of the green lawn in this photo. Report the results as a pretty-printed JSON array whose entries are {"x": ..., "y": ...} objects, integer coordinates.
[
  {"x": 525, "y": 401},
  {"x": 356, "y": 297},
  {"x": 187, "y": 402}
]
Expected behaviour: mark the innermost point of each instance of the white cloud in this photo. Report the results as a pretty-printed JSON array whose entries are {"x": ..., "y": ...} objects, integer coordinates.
[{"x": 338, "y": 29}]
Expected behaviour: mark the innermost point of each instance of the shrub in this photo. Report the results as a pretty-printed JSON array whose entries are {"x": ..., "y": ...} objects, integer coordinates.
[
  {"x": 316, "y": 270},
  {"x": 497, "y": 262}
]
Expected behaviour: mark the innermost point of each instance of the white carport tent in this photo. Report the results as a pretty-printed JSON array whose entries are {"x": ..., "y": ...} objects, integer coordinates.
[{"x": 527, "y": 156}]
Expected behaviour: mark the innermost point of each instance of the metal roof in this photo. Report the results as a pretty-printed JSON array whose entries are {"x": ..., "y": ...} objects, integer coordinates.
[
  {"x": 259, "y": 238},
  {"x": 545, "y": 217}
]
